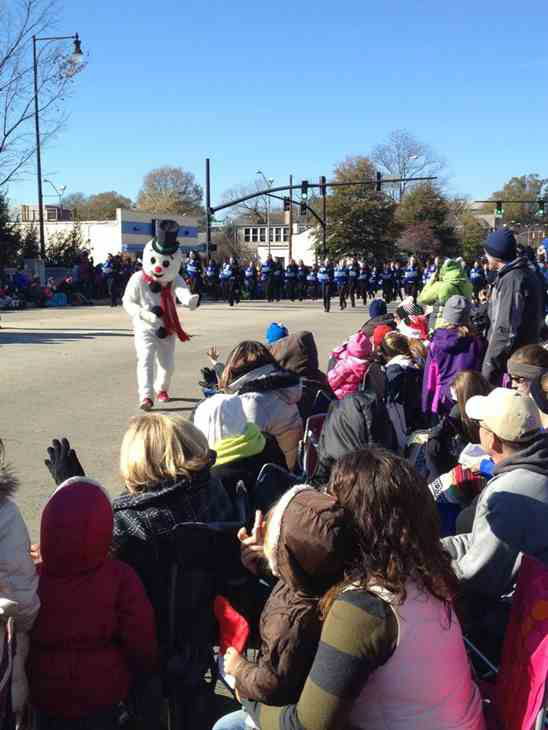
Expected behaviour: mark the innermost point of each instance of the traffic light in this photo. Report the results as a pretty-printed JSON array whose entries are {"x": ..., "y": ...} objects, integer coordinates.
[
  {"x": 541, "y": 208},
  {"x": 304, "y": 189},
  {"x": 323, "y": 186},
  {"x": 303, "y": 207},
  {"x": 379, "y": 182},
  {"x": 499, "y": 210},
  {"x": 287, "y": 204}
]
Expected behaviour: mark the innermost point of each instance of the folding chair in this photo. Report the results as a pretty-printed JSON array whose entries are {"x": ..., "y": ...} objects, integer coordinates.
[
  {"x": 272, "y": 482},
  {"x": 204, "y": 559},
  {"x": 519, "y": 696},
  {"x": 308, "y": 446}
]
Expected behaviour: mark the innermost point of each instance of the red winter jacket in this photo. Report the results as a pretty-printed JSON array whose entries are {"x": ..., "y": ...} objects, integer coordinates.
[{"x": 96, "y": 626}]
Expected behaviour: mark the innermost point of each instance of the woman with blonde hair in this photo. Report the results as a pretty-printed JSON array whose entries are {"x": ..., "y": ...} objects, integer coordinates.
[{"x": 165, "y": 463}]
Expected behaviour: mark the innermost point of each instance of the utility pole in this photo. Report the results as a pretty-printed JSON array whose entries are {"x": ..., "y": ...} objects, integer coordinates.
[
  {"x": 290, "y": 251},
  {"x": 208, "y": 206}
]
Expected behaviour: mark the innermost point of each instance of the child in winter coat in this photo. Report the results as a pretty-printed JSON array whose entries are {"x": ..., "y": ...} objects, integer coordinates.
[
  {"x": 454, "y": 348},
  {"x": 18, "y": 583},
  {"x": 305, "y": 545},
  {"x": 95, "y": 632},
  {"x": 402, "y": 390},
  {"x": 352, "y": 366}
]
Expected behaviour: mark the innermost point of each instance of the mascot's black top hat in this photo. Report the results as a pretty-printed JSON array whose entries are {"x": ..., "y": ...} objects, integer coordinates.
[{"x": 165, "y": 241}]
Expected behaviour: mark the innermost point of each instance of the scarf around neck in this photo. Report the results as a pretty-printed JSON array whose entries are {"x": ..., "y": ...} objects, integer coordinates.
[
  {"x": 250, "y": 443},
  {"x": 171, "y": 321}
]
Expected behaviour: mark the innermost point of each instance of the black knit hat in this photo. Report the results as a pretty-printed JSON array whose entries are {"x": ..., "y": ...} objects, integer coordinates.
[{"x": 501, "y": 244}]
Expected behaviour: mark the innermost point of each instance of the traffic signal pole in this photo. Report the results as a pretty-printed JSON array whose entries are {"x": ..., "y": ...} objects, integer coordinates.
[{"x": 290, "y": 252}]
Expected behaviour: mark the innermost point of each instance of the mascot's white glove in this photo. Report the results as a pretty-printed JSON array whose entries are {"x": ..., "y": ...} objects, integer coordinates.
[
  {"x": 193, "y": 302},
  {"x": 149, "y": 317}
]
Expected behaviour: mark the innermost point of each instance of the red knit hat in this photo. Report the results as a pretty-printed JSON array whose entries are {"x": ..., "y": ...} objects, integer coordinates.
[{"x": 379, "y": 334}]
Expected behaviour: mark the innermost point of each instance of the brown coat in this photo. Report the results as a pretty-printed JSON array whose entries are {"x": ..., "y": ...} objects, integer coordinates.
[
  {"x": 307, "y": 532},
  {"x": 298, "y": 354}
]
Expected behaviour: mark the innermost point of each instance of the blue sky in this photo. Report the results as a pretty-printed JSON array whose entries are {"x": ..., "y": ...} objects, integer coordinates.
[{"x": 296, "y": 87}]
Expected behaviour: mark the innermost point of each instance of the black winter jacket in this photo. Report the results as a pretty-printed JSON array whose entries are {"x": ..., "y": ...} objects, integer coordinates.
[
  {"x": 516, "y": 313},
  {"x": 141, "y": 519}
]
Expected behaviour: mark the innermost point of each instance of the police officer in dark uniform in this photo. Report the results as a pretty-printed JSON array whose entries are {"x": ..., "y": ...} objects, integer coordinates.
[
  {"x": 325, "y": 279},
  {"x": 267, "y": 277},
  {"x": 302, "y": 273},
  {"x": 353, "y": 274},
  {"x": 194, "y": 274},
  {"x": 291, "y": 273}
]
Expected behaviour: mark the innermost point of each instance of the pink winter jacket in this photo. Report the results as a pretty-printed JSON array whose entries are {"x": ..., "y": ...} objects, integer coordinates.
[{"x": 352, "y": 365}]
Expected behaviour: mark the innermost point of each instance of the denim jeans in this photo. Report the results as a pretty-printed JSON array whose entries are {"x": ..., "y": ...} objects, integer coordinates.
[{"x": 233, "y": 721}]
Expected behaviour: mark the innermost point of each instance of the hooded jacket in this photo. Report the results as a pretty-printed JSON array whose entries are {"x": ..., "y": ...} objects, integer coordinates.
[
  {"x": 516, "y": 315},
  {"x": 140, "y": 520},
  {"x": 510, "y": 519},
  {"x": 357, "y": 421},
  {"x": 452, "y": 280},
  {"x": 306, "y": 544},
  {"x": 351, "y": 367},
  {"x": 269, "y": 399},
  {"x": 18, "y": 580},
  {"x": 449, "y": 354},
  {"x": 96, "y": 626},
  {"x": 402, "y": 394},
  {"x": 298, "y": 354}
]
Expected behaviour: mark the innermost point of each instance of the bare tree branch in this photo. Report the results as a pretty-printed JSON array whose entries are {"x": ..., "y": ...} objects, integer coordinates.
[
  {"x": 18, "y": 23},
  {"x": 402, "y": 156}
]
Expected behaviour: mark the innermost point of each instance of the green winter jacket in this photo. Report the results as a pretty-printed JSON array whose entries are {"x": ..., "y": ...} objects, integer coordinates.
[{"x": 450, "y": 281}]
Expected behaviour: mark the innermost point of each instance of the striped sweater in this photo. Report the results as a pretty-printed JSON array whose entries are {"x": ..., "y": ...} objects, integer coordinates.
[
  {"x": 384, "y": 667},
  {"x": 359, "y": 635}
]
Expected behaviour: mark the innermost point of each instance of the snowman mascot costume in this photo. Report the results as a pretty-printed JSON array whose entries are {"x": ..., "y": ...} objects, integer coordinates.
[{"x": 149, "y": 299}]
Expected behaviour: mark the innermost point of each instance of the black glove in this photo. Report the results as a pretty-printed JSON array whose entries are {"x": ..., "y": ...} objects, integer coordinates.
[
  {"x": 158, "y": 311},
  {"x": 63, "y": 462}
]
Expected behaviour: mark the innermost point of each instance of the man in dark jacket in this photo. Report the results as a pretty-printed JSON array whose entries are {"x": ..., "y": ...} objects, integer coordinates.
[{"x": 516, "y": 305}]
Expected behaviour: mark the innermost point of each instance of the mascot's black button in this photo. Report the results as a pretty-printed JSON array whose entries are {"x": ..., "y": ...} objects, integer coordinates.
[
  {"x": 161, "y": 332},
  {"x": 155, "y": 287}
]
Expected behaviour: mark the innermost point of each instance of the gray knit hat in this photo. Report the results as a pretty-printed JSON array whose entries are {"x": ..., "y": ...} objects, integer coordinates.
[{"x": 456, "y": 310}]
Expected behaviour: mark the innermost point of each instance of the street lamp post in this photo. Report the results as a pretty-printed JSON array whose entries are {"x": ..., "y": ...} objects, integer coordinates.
[
  {"x": 59, "y": 192},
  {"x": 76, "y": 57},
  {"x": 268, "y": 182}
]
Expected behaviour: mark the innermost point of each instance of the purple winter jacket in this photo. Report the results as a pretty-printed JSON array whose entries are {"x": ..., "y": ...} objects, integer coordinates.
[{"x": 448, "y": 355}]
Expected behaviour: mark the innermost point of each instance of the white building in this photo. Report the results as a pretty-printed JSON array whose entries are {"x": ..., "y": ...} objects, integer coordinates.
[
  {"x": 128, "y": 233},
  {"x": 303, "y": 246}
]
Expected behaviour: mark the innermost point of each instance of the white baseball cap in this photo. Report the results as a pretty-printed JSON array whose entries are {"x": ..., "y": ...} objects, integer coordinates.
[{"x": 506, "y": 413}]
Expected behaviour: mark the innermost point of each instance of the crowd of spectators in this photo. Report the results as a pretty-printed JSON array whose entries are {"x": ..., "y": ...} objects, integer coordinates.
[{"x": 429, "y": 486}]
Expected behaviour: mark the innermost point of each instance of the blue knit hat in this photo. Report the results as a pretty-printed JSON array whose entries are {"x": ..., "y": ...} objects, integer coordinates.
[
  {"x": 275, "y": 332},
  {"x": 501, "y": 244},
  {"x": 377, "y": 308}
]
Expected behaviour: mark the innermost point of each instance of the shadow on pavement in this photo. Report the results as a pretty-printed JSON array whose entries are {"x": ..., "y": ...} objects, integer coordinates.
[{"x": 50, "y": 337}]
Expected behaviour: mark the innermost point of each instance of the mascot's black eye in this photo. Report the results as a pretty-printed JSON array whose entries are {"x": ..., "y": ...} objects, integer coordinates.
[
  {"x": 153, "y": 260},
  {"x": 165, "y": 264}
]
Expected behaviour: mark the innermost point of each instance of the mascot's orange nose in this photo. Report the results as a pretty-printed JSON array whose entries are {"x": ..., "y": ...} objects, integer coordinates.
[{"x": 158, "y": 270}]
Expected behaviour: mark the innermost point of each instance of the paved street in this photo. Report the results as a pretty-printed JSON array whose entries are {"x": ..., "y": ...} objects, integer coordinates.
[{"x": 72, "y": 372}]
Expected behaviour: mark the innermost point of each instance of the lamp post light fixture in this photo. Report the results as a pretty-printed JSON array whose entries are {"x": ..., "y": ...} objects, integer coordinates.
[
  {"x": 60, "y": 191},
  {"x": 76, "y": 58},
  {"x": 269, "y": 181}
]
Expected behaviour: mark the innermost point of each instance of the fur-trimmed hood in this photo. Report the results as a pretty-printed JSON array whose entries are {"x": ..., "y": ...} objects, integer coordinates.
[
  {"x": 307, "y": 540},
  {"x": 8, "y": 481}
]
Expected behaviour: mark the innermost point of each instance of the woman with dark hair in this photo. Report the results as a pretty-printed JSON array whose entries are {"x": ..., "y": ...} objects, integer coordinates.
[
  {"x": 391, "y": 652},
  {"x": 269, "y": 394}
]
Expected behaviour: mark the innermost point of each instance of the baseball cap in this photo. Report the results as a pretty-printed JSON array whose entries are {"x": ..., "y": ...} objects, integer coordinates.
[{"x": 508, "y": 414}]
